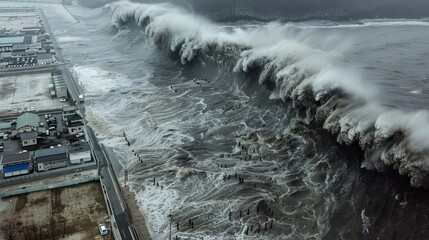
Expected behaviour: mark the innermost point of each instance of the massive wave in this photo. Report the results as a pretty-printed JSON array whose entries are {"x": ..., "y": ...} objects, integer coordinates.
[{"x": 300, "y": 70}]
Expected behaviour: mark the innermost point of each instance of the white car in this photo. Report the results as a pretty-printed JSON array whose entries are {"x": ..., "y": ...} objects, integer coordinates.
[
  {"x": 63, "y": 99},
  {"x": 103, "y": 230},
  {"x": 80, "y": 135}
]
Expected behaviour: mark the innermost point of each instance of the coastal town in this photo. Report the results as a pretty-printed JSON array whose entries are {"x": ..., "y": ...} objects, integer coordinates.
[{"x": 53, "y": 172}]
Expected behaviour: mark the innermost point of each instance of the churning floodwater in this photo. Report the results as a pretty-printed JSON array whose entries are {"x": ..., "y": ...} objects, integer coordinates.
[{"x": 257, "y": 130}]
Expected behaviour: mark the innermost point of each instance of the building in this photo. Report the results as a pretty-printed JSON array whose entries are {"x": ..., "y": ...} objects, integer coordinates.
[
  {"x": 80, "y": 155},
  {"x": 28, "y": 139},
  {"x": 27, "y": 122},
  {"x": 12, "y": 40},
  {"x": 68, "y": 111},
  {"x": 50, "y": 158},
  {"x": 44, "y": 58},
  {"x": 75, "y": 124},
  {"x": 16, "y": 164},
  {"x": 60, "y": 86},
  {"x": 20, "y": 47},
  {"x": 6, "y": 127}
]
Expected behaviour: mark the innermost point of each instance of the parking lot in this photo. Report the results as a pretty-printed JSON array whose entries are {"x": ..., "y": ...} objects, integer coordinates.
[
  {"x": 27, "y": 92},
  {"x": 17, "y": 21}
]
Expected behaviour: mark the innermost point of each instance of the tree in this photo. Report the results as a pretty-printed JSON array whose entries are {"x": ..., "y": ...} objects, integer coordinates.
[{"x": 10, "y": 230}]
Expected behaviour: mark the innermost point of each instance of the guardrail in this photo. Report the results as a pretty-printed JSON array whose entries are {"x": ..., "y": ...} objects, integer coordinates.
[{"x": 49, "y": 186}]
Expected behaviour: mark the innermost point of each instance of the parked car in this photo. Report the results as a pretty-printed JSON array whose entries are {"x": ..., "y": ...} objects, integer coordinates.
[
  {"x": 5, "y": 137},
  {"x": 103, "y": 230},
  {"x": 63, "y": 99},
  {"x": 79, "y": 135},
  {"x": 47, "y": 132},
  {"x": 41, "y": 124},
  {"x": 52, "y": 127}
]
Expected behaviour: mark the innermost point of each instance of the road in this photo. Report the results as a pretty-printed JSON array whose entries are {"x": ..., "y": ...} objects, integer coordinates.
[{"x": 107, "y": 178}]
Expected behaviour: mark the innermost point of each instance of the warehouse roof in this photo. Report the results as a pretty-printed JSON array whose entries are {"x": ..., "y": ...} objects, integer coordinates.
[
  {"x": 13, "y": 40},
  {"x": 27, "y": 119},
  {"x": 19, "y": 47},
  {"x": 50, "y": 154},
  {"x": 6, "y": 125},
  {"x": 16, "y": 158}
]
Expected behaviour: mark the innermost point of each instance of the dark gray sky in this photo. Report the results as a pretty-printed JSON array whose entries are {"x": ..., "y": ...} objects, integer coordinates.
[{"x": 303, "y": 9}]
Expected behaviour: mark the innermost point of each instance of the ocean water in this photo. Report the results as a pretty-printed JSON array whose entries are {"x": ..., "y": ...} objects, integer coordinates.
[{"x": 326, "y": 123}]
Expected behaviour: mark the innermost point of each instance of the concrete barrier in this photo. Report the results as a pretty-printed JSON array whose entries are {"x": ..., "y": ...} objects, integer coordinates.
[
  {"x": 45, "y": 175},
  {"x": 48, "y": 186}
]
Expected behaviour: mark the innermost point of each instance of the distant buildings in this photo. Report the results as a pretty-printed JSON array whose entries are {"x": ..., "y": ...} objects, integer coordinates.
[{"x": 29, "y": 46}]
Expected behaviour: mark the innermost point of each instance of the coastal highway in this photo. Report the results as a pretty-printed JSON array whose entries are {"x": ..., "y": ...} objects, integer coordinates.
[{"x": 107, "y": 178}]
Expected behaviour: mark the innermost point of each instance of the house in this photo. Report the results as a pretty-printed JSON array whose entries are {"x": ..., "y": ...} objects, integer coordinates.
[
  {"x": 27, "y": 122},
  {"x": 50, "y": 158},
  {"x": 75, "y": 124},
  {"x": 82, "y": 154},
  {"x": 68, "y": 111},
  {"x": 16, "y": 164},
  {"x": 28, "y": 139}
]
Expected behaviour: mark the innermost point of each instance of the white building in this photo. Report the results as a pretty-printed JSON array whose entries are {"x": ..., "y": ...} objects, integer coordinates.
[{"x": 80, "y": 156}]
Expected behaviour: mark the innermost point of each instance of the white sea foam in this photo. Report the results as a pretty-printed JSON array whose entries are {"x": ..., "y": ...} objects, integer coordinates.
[{"x": 305, "y": 69}]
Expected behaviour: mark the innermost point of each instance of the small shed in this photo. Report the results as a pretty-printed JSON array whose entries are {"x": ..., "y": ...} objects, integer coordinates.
[{"x": 80, "y": 156}]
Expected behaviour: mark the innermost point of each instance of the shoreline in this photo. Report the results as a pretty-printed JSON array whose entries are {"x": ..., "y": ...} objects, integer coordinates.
[{"x": 134, "y": 212}]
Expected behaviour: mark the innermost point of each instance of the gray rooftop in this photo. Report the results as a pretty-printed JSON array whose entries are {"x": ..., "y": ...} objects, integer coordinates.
[
  {"x": 16, "y": 158},
  {"x": 13, "y": 40},
  {"x": 50, "y": 154},
  {"x": 27, "y": 119},
  {"x": 28, "y": 136}
]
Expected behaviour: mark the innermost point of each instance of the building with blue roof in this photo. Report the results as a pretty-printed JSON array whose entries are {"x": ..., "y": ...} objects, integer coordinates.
[{"x": 16, "y": 164}]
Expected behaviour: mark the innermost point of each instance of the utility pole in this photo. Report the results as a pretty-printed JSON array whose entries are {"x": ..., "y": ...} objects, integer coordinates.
[
  {"x": 171, "y": 219},
  {"x": 125, "y": 177}
]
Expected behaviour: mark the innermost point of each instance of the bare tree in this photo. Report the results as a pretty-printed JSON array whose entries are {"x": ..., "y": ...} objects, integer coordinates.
[{"x": 10, "y": 230}]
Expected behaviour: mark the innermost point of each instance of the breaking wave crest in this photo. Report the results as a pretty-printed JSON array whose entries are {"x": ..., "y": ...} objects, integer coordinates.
[{"x": 301, "y": 69}]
